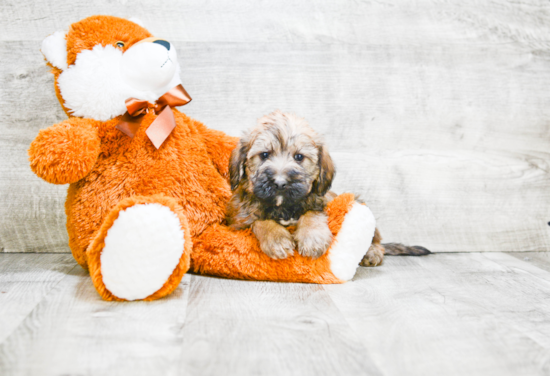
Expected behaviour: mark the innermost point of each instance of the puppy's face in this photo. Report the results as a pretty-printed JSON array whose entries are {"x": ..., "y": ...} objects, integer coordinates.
[{"x": 281, "y": 161}]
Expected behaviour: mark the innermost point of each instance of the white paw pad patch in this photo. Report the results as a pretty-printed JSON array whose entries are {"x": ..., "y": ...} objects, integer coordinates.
[
  {"x": 142, "y": 249},
  {"x": 352, "y": 242}
]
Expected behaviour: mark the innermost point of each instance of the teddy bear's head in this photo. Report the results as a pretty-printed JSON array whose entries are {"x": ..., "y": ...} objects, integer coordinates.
[{"x": 102, "y": 60}]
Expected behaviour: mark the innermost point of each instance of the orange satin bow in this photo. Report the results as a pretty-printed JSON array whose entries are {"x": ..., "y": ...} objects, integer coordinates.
[{"x": 165, "y": 122}]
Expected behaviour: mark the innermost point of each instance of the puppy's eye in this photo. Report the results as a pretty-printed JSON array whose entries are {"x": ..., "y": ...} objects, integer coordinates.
[
  {"x": 264, "y": 155},
  {"x": 120, "y": 44},
  {"x": 299, "y": 157}
]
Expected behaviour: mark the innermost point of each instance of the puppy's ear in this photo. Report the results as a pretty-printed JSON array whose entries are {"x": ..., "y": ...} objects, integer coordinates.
[
  {"x": 326, "y": 172},
  {"x": 237, "y": 164}
]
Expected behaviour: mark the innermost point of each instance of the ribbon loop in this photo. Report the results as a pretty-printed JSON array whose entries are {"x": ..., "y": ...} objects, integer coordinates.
[
  {"x": 175, "y": 97},
  {"x": 136, "y": 107},
  {"x": 163, "y": 125}
]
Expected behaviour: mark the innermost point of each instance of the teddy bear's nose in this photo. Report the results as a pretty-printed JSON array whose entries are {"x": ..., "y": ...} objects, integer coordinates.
[{"x": 163, "y": 43}]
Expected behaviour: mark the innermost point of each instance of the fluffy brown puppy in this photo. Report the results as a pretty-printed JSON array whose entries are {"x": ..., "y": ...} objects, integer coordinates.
[{"x": 280, "y": 174}]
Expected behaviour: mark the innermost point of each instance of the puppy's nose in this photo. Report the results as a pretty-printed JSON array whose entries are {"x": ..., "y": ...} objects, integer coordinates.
[
  {"x": 163, "y": 43},
  {"x": 280, "y": 182}
]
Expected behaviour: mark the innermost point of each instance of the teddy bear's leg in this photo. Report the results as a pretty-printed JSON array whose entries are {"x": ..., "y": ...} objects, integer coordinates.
[
  {"x": 142, "y": 249},
  {"x": 236, "y": 254}
]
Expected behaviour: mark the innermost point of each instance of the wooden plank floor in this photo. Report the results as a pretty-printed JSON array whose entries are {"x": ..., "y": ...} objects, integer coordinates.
[{"x": 445, "y": 314}]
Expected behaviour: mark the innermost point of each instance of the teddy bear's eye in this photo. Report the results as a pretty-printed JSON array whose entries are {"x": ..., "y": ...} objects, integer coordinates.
[{"x": 120, "y": 44}]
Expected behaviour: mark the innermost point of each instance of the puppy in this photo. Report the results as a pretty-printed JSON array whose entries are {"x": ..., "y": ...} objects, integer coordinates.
[{"x": 280, "y": 174}]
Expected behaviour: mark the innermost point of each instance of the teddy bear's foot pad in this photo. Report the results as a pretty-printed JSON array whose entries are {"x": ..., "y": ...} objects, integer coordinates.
[
  {"x": 352, "y": 242},
  {"x": 142, "y": 249}
]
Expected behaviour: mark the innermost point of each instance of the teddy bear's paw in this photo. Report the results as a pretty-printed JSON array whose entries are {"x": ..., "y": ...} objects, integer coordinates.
[
  {"x": 354, "y": 237},
  {"x": 142, "y": 249}
]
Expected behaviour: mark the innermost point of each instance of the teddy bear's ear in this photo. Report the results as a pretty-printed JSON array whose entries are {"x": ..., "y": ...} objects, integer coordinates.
[
  {"x": 54, "y": 48},
  {"x": 137, "y": 21}
]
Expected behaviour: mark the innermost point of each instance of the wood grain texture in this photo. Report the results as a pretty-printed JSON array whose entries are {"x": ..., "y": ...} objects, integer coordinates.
[
  {"x": 436, "y": 112},
  {"x": 539, "y": 259},
  {"x": 73, "y": 332},
  {"x": 258, "y": 328},
  {"x": 453, "y": 314},
  {"x": 443, "y": 314},
  {"x": 24, "y": 280}
]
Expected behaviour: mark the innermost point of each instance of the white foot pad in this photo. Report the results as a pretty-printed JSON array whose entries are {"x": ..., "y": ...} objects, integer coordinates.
[
  {"x": 352, "y": 242},
  {"x": 142, "y": 249}
]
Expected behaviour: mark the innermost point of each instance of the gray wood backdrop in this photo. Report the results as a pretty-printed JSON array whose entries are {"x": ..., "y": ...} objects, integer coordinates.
[{"x": 436, "y": 111}]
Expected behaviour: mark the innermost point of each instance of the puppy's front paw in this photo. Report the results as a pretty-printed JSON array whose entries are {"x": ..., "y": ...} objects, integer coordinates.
[
  {"x": 313, "y": 241},
  {"x": 374, "y": 256},
  {"x": 278, "y": 244},
  {"x": 278, "y": 248},
  {"x": 275, "y": 240}
]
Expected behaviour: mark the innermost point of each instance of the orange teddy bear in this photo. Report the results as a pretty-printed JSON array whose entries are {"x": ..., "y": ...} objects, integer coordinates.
[{"x": 149, "y": 185}]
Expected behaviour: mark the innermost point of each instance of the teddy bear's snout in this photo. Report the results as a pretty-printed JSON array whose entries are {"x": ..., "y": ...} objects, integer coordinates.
[{"x": 149, "y": 65}]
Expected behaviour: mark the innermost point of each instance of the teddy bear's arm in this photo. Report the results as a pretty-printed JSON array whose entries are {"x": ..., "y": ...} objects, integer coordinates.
[
  {"x": 65, "y": 152},
  {"x": 219, "y": 146}
]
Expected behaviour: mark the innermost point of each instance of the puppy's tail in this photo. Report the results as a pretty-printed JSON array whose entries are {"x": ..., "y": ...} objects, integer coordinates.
[{"x": 398, "y": 249}]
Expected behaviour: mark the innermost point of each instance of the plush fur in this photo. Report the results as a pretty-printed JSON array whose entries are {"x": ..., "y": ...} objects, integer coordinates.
[
  {"x": 54, "y": 49},
  {"x": 94, "y": 255},
  {"x": 243, "y": 258},
  {"x": 66, "y": 162},
  {"x": 110, "y": 173},
  {"x": 130, "y": 262}
]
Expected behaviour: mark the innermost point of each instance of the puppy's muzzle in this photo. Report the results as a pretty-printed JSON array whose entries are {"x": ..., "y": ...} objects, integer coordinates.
[{"x": 289, "y": 185}]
